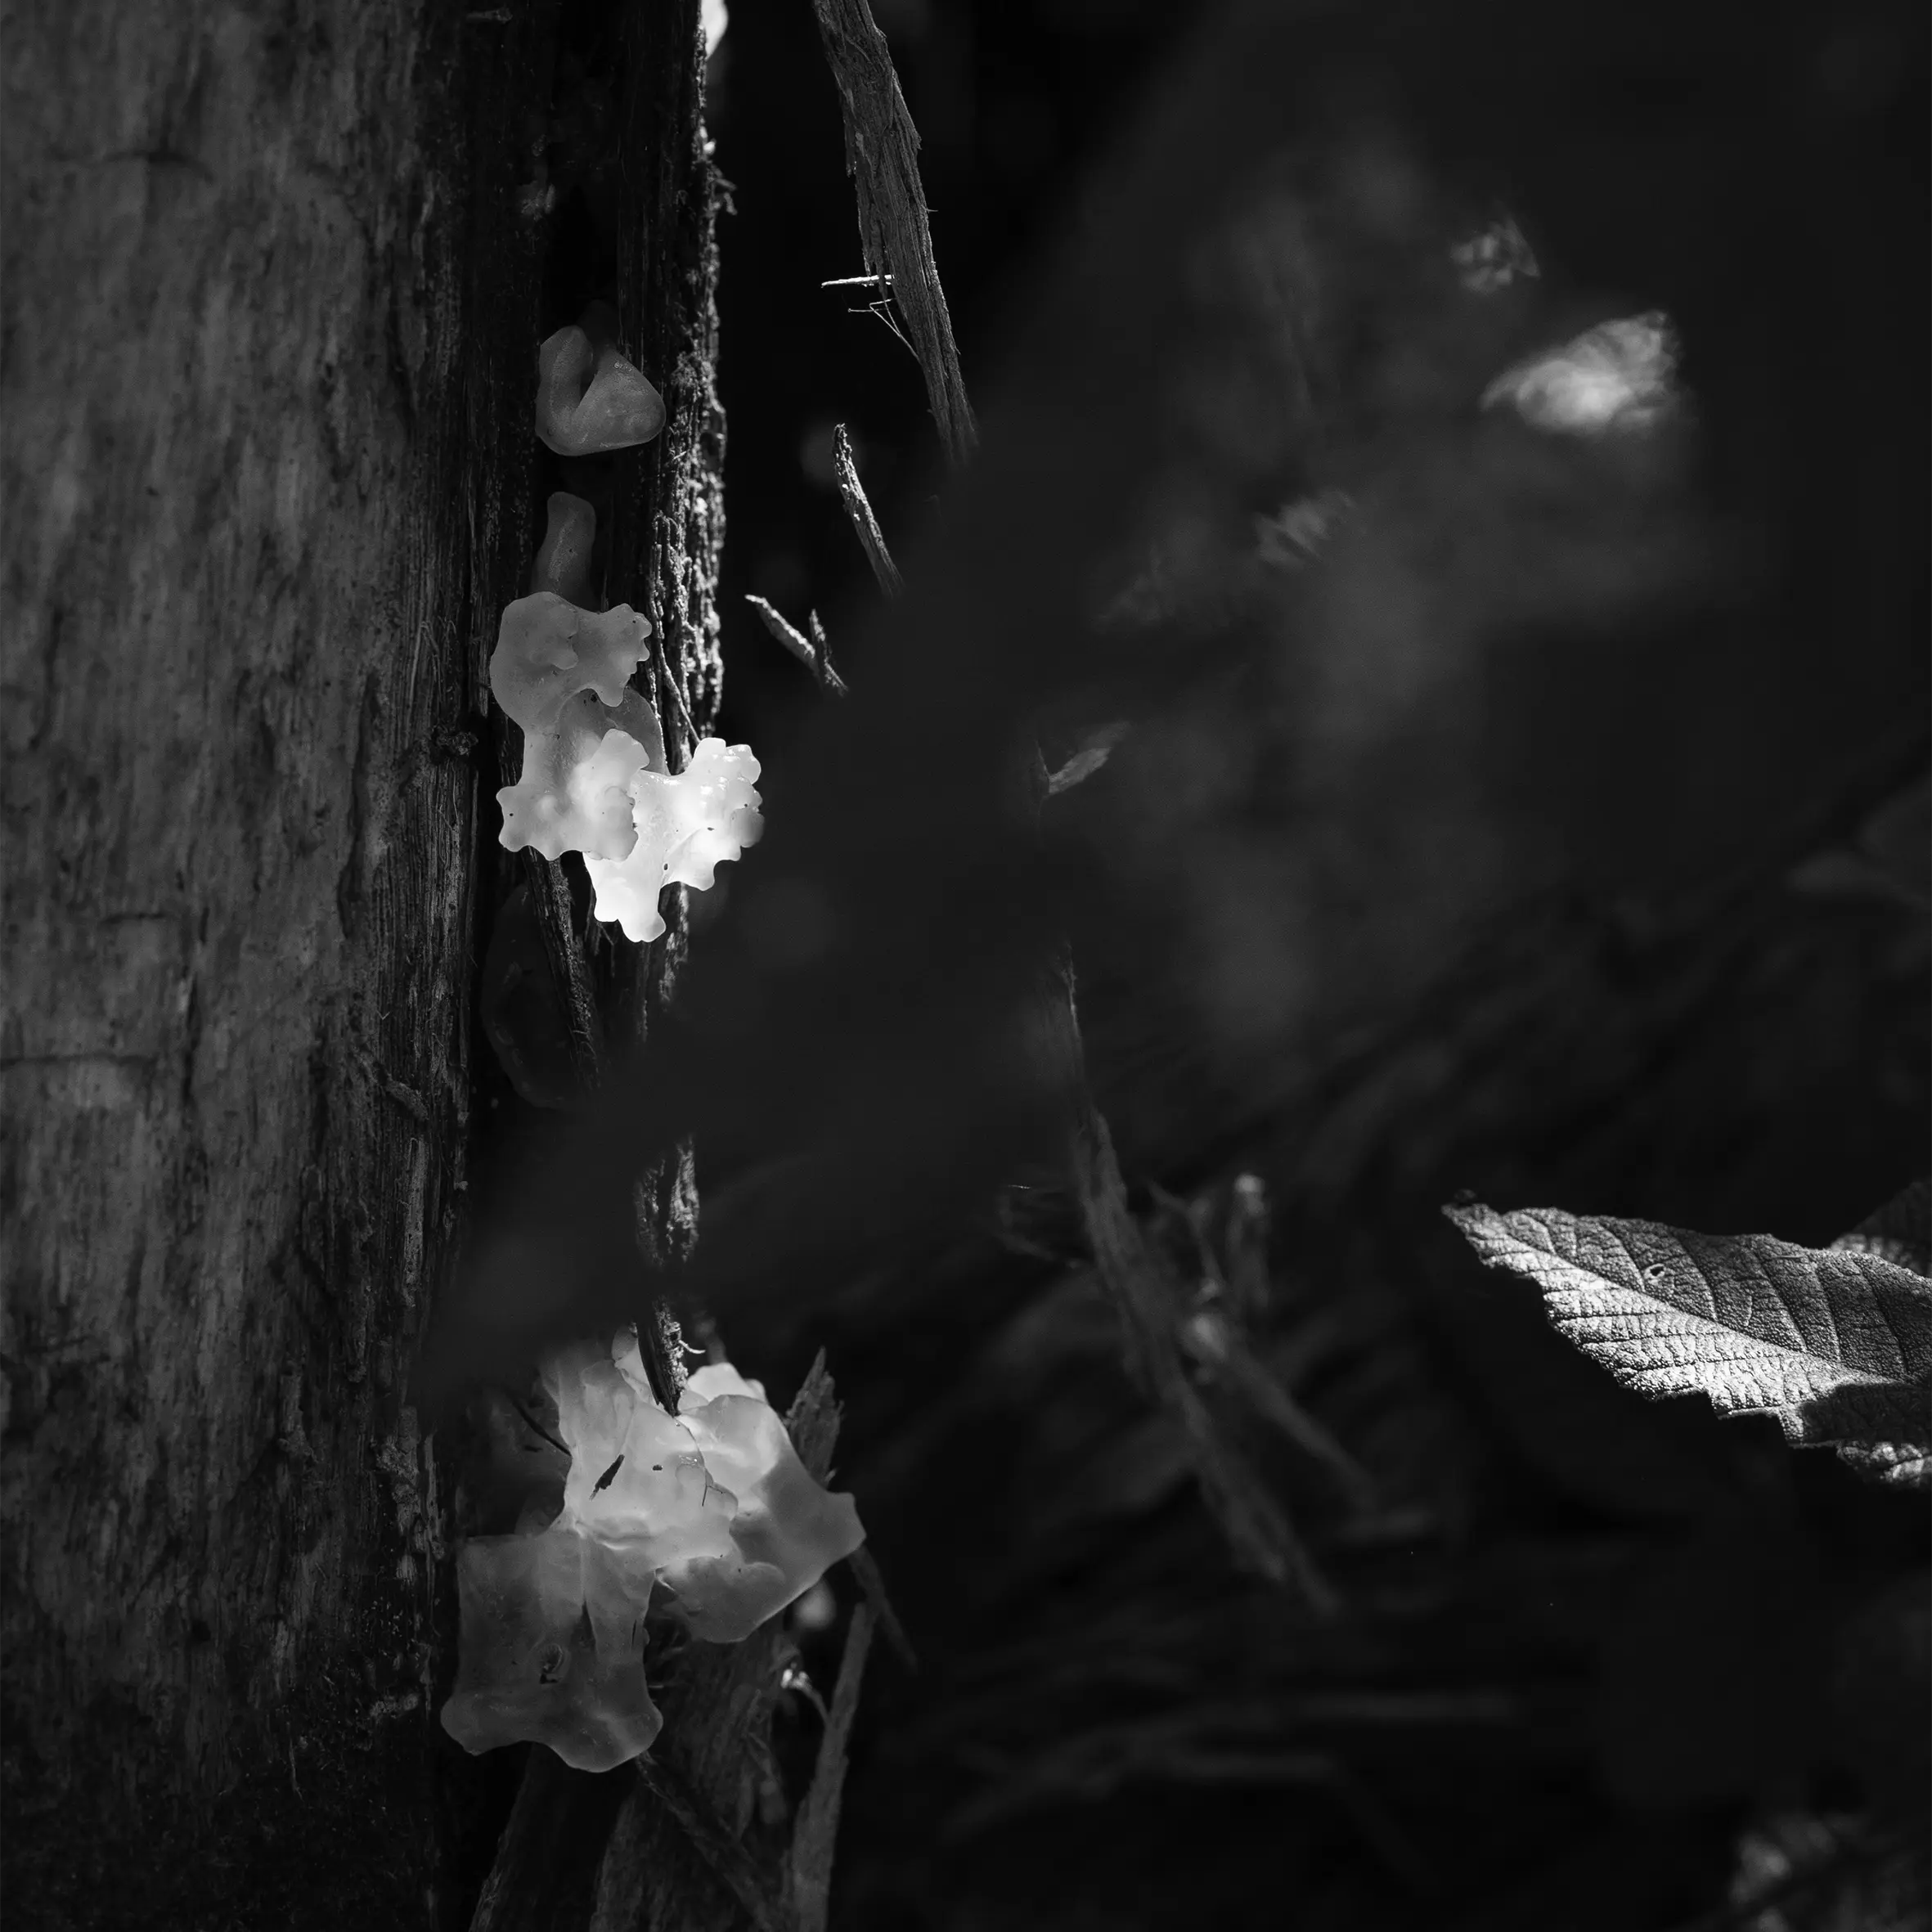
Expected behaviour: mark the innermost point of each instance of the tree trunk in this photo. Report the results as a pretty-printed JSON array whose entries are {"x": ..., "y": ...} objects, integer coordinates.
[{"x": 273, "y": 288}]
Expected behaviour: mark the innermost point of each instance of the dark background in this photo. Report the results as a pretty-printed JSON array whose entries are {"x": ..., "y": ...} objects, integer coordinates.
[
  {"x": 1588, "y": 1640},
  {"x": 1587, "y": 1643},
  {"x": 1010, "y": 103}
]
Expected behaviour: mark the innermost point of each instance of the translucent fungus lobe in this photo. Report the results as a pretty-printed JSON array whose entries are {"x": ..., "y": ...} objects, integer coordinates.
[
  {"x": 563, "y": 559},
  {"x": 710, "y": 1507},
  {"x": 590, "y": 399},
  {"x": 552, "y": 1649},
  {"x": 687, "y": 826},
  {"x": 561, "y": 673},
  {"x": 547, "y": 650}
]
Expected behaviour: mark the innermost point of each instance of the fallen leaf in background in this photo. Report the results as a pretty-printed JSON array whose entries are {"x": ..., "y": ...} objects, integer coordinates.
[{"x": 1835, "y": 1345}]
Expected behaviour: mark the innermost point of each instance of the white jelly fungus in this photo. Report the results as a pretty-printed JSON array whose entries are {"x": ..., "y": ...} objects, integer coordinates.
[
  {"x": 552, "y": 1650},
  {"x": 562, "y": 565},
  {"x": 686, "y": 827},
  {"x": 712, "y": 1506},
  {"x": 547, "y": 650},
  {"x": 594, "y": 778},
  {"x": 590, "y": 399},
  {"x": 560, "y": 672}
]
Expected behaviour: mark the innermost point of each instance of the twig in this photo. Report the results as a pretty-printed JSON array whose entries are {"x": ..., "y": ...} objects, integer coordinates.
[
  {"x": 1151, "y": 1298},
  {"x": 871, "y": 538},
  {"x": 821, "y": 645},
  {"x": 1254, "y": 1382},
  {"x": 814, "y": 1835},
  {"x": 549, "y": 1847},
  {"x": 814, "y": 658},
  {"x": 789, "y": 634},
  {"x": 718, "y": 1713},
  {"x": 729, "y": 1861},
  {"x": 865, "y": 1572},
  {"x": 1217, "y": 1338},
  {"x": 882, "y": 156},
  {"x": 668, "y": 683},
  {"x": 532, "y": 1425}
]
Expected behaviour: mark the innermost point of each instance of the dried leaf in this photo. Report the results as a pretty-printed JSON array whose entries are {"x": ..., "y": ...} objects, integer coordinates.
[{"x": 1836, "y": 1343}]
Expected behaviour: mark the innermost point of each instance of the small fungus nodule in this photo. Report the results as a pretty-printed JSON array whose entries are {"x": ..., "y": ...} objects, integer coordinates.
[{"x": 590, "y": 399}]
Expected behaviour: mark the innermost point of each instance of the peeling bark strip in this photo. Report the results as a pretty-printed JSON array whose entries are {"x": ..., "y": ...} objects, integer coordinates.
[
  {"x": 669, "y": 532},
  {"x": 551, "y": 1867},
  {"x": 670, "y": 528},
  {"x": 882, "y": 149},
  {"x": 691, "y": 1852}
]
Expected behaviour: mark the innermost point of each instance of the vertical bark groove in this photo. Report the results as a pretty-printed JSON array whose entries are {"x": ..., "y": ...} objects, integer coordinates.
[{"x": 266, "y": 488}]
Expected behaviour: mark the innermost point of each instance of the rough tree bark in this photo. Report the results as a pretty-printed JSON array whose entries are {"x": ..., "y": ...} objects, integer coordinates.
[{"x": 273, "y": 286}]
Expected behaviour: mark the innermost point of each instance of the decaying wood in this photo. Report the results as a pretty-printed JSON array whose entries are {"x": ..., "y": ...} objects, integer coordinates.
[
  {"x": 541, "y": 1881},
  {"x": 670, "y": 522},
  {"x": 858, "y": 508},
  {"x": 881, "y": 150},
  {"x": 814, "y": 1833},
  {"x": 569, "y": 971},
  {"x": 667, "y": 531},
  {"x": 681, "y": 1857},
  {"x": 811, "y": 651},
  {"x": 871, "y": 1581}
]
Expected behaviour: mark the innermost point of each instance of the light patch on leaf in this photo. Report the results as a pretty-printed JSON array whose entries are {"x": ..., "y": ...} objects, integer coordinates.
[
  {"x": 1621, "y": 375},
  {"x": 1836, "y": 1343}
]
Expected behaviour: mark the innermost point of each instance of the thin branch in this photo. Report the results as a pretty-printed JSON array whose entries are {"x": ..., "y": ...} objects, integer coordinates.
[
  {"x": 865, "y": 525},
  {"x": 668, "y": 685},
  {"x": 532, "y": 1425},
  {"x": 1151, "y": 1300},
  {"x": 729, "y": 1863},
  {"x": 865, "y": 1572},
  {"x": 813, "y": 657},
  {"x": 820, "y": 642},
  {"x": 882, "y": 156},
  {"x": 816, "y": 1833},
  {"x": 789, "y": 634}
]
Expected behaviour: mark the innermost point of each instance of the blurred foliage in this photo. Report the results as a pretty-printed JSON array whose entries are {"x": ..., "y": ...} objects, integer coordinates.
[{"x": 1475, "y": 892}]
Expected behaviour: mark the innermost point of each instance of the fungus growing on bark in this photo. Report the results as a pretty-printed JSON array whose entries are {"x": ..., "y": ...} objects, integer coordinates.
[
  {"x": 552, "y": 1649},
  {"x": 547, "y": 650},
  {"x": 594, "y": 778},
  {"x": 686, "y": 827},
  {"x": 590, "y": 398},
  {"x": 560, "y": 672},
  {"x": 564, "y": 559},
  {"x": 712, "y": 1505}
]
